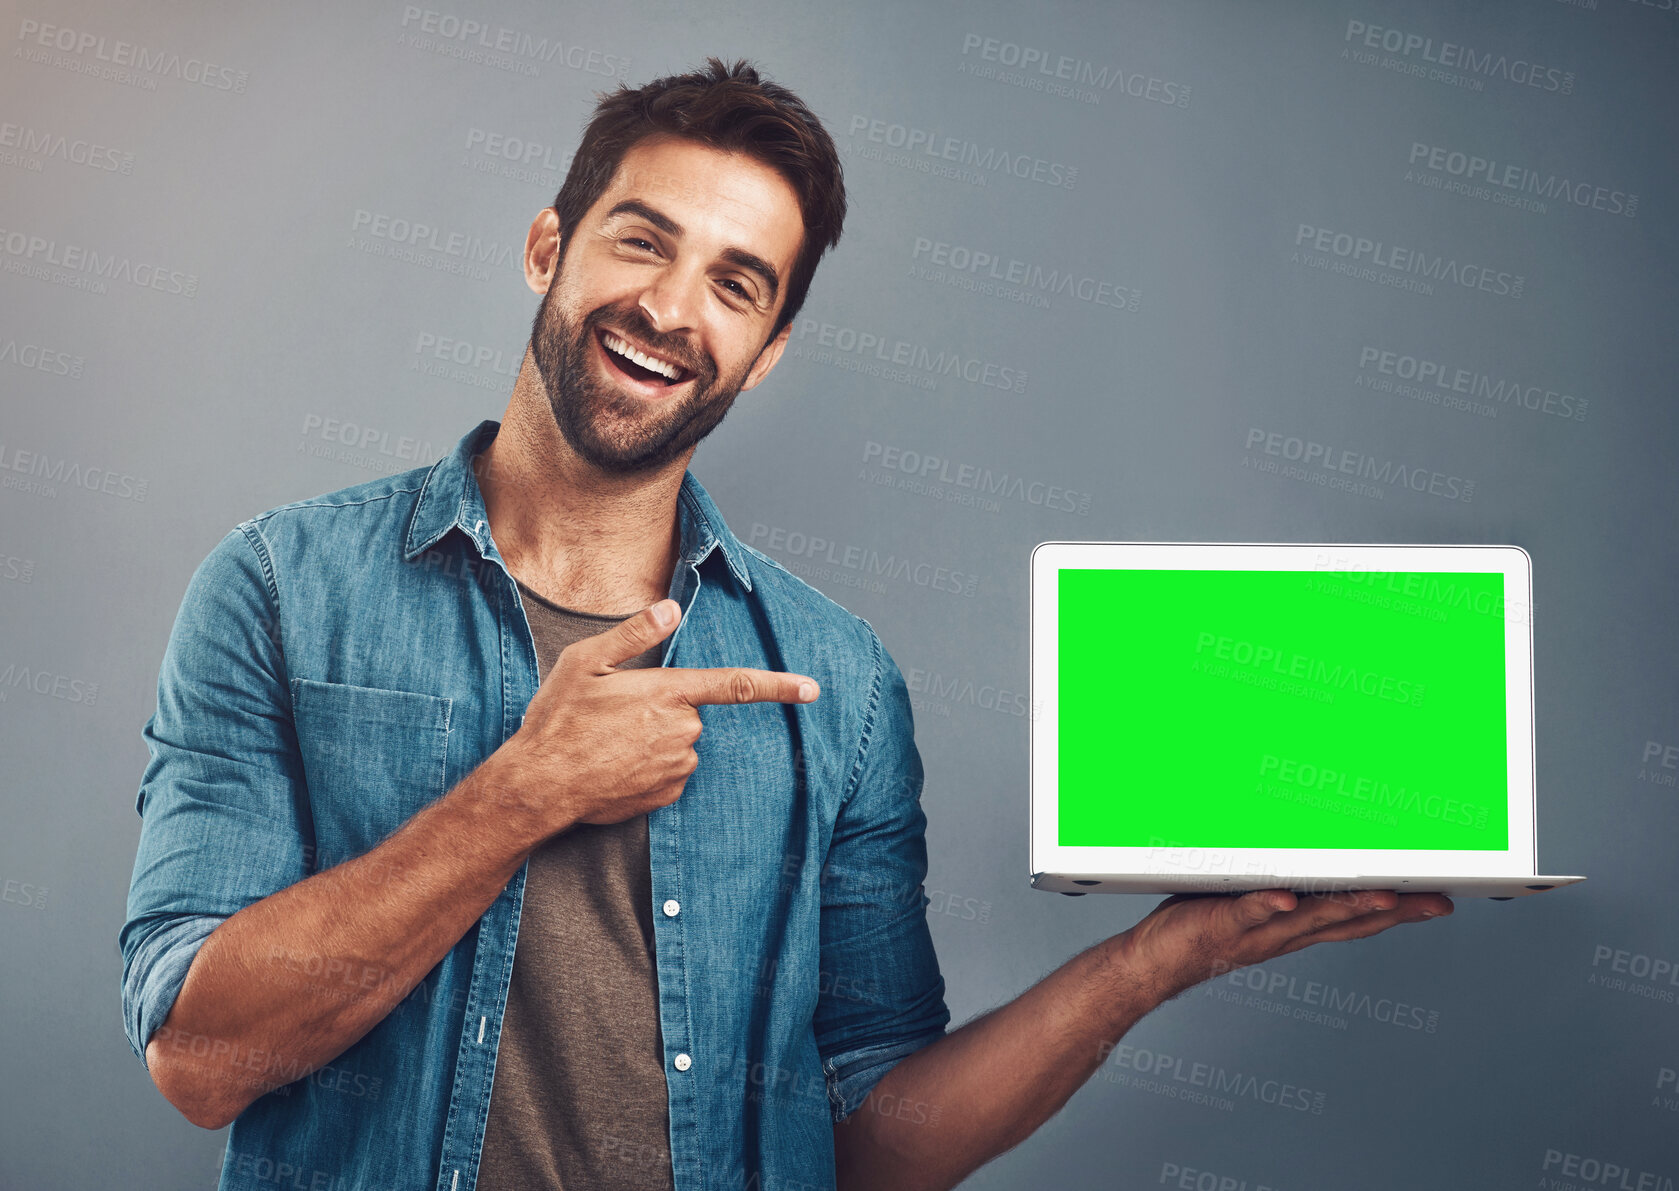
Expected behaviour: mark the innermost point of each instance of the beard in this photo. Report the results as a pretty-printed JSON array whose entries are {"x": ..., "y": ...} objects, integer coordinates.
[{"x": 612, "y": 430}]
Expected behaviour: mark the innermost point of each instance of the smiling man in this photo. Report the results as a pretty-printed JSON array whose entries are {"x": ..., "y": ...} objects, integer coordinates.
[{"x": 510, "y": 824}]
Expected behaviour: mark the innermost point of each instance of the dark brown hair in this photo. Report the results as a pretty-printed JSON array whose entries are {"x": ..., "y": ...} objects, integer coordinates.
[{"x": 727, "y": 107}]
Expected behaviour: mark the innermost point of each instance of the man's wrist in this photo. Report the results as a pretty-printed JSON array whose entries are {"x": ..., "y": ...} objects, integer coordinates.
[
  {"x": 525, "y": 810},
  {"x": 1132, "y": 984}
]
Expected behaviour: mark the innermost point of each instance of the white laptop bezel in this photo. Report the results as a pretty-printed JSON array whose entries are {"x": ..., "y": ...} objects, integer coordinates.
[{"x": 1049, "y": 857}]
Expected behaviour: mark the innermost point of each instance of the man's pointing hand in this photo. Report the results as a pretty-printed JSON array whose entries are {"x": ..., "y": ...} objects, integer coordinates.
[{"x": 600, "y": 744}]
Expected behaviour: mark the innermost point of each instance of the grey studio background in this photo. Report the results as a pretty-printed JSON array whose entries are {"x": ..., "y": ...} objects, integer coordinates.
[{"x": 1126, "y": 271}]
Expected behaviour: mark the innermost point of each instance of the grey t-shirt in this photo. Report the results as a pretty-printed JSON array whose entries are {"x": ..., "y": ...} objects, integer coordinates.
[{"x": 579, "y": 1095}]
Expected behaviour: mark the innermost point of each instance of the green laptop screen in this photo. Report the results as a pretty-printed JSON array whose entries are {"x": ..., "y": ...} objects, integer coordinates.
[{"x": 1281, "y": 709}]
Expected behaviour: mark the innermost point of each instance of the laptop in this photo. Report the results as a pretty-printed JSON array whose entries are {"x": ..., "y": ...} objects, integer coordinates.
[{"x": 1319, "y": 718}]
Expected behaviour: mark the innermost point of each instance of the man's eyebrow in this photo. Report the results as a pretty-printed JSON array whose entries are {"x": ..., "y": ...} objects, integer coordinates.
[
  {"x": 756, "y": 264},
  {"x": 657, "y": 218},
  {"x": 738, "y": 257}
]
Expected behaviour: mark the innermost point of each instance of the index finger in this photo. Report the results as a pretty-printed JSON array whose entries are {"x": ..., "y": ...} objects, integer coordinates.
[{"x": 738, "y": 684}]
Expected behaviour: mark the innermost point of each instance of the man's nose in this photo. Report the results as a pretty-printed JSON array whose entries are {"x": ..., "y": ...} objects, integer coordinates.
[{"x": 672, "y": 298}]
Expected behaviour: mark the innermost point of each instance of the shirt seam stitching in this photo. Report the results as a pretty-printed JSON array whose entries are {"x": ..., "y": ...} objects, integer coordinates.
[
  {"x": 252, "y": 533},
  {"x": 805, "y": 584},
  {"x": 863, "y": 1058},
  {"x": 866, "y": 736},
  {"x": 319, "y": 504}
]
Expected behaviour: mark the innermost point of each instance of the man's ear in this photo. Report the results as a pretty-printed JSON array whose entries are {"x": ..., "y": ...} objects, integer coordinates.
[
  {"x": 766, "y": 358},
  {"x": 542, "y": 250}
]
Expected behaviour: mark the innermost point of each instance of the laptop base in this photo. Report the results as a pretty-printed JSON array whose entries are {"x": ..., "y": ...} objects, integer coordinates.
[{"x": 1499, "y": 888}]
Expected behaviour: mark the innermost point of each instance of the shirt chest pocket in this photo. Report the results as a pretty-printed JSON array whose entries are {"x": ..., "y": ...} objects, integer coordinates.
[{"x": 371, "y": 757}]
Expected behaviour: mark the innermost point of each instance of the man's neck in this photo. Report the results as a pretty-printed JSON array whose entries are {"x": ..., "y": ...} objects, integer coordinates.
[{"x": 583, "y": 539}]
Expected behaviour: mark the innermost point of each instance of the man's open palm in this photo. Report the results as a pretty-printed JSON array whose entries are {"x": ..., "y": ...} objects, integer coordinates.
[{"x": 1189, "y": 938}]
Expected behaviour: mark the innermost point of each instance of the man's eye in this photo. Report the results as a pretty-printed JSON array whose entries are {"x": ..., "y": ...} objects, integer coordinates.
[
  {"x": 638, "y": 242},
  {"x": 735, "y": 288}
]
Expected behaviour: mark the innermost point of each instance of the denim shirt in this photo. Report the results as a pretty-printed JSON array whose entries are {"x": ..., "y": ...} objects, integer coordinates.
[{"x": 338, "y": 663}]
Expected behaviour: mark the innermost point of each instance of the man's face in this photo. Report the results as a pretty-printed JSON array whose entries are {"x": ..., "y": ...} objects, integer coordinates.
[{"x": 663, "y": 302}]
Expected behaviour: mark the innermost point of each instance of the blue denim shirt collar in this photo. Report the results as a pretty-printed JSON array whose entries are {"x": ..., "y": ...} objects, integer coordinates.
[{"x": 450, "y": 498}]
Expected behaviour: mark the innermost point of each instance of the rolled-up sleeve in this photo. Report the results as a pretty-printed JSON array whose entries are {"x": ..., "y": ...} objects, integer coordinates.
[
  {"x": 223, "y": 807},
  {"x": 882, "y": 995}
]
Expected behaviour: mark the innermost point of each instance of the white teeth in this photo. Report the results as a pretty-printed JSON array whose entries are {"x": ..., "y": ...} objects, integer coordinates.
[{"x": 651, "y": 363}]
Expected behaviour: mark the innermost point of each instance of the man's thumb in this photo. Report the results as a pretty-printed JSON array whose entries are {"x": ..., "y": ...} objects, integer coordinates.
[{"x": 637, "y": 634}]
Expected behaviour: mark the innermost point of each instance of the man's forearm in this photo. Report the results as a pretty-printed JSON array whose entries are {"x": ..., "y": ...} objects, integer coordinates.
[
  {"x": 998, "y": 1078},
  {"x": 984, "y": 1088},
  {"x": 290, "y": 982}
]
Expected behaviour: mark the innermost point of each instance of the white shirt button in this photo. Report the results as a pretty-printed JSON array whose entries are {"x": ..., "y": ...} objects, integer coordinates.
[
  {"x": 682, "y": 1062},
  {"x": 672, "y": 908}
]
